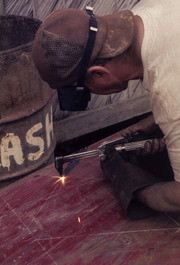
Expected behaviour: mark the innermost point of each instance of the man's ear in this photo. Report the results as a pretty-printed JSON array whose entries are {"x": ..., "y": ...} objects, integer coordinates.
[{"x": 99, "y": 73}]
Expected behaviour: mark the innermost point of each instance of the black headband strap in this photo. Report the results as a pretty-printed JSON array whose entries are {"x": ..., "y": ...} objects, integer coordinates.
[{"x": 89, "y": 47}]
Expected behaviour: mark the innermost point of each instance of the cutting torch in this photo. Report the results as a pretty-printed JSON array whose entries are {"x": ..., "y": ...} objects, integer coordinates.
[{"x": 120, "y": 145}]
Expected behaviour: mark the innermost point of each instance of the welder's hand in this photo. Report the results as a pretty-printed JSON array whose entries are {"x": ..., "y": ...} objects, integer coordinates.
[
  {"x": 130, "y": 132},
  {"x": 151, "y": 148},
  {"x": 157, "y": 145},
  {"x": 146, "y": 126}
]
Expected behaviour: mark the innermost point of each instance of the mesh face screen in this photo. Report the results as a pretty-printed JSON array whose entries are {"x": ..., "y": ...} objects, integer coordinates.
[{"x": 63, "y": 55}]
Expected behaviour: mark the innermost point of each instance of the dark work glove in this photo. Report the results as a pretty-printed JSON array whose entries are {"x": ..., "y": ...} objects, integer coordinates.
[{"x": 126, "y": 179}]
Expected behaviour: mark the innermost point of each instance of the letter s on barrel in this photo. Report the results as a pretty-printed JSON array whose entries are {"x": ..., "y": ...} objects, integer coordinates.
[{"x": 35, "y": 141}]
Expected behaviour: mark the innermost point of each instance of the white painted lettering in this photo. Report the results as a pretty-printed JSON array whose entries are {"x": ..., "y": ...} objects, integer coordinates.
[
  {"x": 49, "y": 128},
  {"x": 11, "y": 146},
  {"x": 35, "y": 141}
]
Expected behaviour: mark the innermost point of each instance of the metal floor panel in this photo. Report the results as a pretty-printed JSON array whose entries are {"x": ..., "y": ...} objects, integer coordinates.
[{"x": 78, "y": 223}]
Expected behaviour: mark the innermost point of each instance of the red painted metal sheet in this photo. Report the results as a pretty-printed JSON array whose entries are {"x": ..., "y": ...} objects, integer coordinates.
[{"x": 80, "y": 222}]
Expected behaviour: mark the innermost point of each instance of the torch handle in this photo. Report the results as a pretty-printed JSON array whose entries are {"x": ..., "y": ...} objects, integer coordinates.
[
  {"x": 127, "y": 147},
  {"x": 132, "y": 146}
]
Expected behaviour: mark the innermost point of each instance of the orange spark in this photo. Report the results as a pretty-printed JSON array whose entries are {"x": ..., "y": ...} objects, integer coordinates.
[
  {"x": 79, "y": 219},
  {"x": 60, "y": 179}
]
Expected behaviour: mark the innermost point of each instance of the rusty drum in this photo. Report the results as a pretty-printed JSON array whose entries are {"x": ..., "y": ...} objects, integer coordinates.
[{"x": 26, "y": 125}]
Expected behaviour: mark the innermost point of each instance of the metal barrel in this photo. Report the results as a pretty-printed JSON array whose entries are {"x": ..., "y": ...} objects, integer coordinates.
[{"x": 26, "y": 125}]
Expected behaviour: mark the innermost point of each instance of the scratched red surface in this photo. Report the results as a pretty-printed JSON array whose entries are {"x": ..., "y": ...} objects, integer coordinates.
[{"x": 44, "y": 222}]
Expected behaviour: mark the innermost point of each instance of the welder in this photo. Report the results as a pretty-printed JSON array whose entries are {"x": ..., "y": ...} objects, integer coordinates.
[{"x": 79, "y": 53}]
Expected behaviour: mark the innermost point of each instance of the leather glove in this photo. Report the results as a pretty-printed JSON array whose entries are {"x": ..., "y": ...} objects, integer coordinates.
[{"x": 126, "y": 179}]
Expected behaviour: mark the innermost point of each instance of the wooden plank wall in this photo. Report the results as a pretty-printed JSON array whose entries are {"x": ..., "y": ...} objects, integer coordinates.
[
  {"x": 41, "y": 8},
  {"x": 95, "y": 119},
  {"x": 18, "y": 7},
  {"x": 1, "y": 7}
]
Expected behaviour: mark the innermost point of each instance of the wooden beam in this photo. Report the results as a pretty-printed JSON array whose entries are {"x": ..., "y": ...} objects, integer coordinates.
[
  {"x": 90, "y": 121},
  {"x": 34, "y": 6},
  {"x": 2, "y": 9}
]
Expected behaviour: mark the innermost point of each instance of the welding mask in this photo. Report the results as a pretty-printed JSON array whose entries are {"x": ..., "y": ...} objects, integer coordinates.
[{"x": 75, "y": 98}]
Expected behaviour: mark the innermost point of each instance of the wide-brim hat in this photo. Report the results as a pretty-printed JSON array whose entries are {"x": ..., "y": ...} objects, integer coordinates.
[{"x": 61, "y": 40}]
